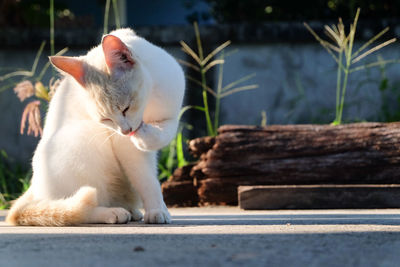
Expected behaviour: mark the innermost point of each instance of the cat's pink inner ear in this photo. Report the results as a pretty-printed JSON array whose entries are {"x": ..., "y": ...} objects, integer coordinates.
[
  {"x": 117, "y": 54},
  {"x": 70, "y": 65}
]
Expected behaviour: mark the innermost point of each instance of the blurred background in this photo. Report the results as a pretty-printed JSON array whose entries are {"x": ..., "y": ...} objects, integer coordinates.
[{"x": 291, "y": 76}]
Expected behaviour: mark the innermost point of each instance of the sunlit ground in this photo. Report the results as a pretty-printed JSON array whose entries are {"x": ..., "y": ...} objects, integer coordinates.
[{"x": 217, "y": 237}]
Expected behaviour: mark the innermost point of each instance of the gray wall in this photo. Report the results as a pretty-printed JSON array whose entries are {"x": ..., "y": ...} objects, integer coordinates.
[{"x": 297, "y": 84}]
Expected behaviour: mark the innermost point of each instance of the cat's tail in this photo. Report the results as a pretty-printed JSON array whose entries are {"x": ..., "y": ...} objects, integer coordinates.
[{"x": 63, "y": 212}]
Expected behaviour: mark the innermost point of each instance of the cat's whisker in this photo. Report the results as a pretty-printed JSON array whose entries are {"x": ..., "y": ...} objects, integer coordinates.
[
  {"x": 97, "y": 134},
  {"x": 111, "y": 135}
]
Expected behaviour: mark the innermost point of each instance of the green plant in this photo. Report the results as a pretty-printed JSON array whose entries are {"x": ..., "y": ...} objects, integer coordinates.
[
  {"x": 389, "y": 91},
  {"x": 51, "y": 27},
  {"x": 263, "y": 118},
  {"x": 28, "y": 74},
  {"x": 25, "y": 88},
  {"x": 345, "y": 57},
  {"x": 202, "y": 65},
  {"x": 107, "y": 13},
  {"x": 173, "y": 156},
  {"x": 13, "y": 180}
]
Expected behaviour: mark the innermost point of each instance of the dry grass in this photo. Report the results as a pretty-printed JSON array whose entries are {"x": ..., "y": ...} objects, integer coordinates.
[{"x": 340, "y": 46}]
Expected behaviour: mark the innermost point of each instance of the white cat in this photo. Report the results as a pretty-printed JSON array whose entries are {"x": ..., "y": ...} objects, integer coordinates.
[{"x": 96, "y": 161}]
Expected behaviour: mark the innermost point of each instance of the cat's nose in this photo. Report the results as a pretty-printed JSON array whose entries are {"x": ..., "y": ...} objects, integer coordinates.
[{"x": 127, "y": 131}]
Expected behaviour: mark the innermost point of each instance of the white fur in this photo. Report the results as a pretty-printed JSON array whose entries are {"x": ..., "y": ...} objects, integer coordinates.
[{"x": 76, "y": 150}]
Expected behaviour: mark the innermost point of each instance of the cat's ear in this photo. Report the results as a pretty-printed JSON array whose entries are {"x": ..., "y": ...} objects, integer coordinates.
[
  {"x": 70, "y": 65},
  {"x": 118, "y": 57}
]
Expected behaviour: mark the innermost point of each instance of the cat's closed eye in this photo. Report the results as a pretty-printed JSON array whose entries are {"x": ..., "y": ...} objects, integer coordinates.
[
  {"x": 105, "y": 120},
  {"x": 125, "y": 110}
]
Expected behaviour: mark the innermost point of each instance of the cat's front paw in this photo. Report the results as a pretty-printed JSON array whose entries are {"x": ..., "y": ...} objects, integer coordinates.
[
  {"x": 147, "y": 139},
  {"x": 140, "y": 144},
  {"x": 117, "y": 215},
  {"x": 136, "y": 215},
  {"x": 160, "y": 216}
]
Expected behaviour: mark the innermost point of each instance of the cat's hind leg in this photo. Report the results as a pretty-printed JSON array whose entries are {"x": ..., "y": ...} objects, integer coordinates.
[
  {"x": 70, "y": 179},
  {"x": 77, "y": 209},
  {"x": 46, "y": 212}
]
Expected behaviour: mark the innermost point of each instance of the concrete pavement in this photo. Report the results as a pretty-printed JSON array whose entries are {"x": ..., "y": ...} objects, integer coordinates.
[{"x": 215, "y": 237}]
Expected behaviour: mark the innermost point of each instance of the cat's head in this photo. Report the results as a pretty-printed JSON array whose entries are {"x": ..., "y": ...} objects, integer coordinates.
[{"x": 117, "y": 83}]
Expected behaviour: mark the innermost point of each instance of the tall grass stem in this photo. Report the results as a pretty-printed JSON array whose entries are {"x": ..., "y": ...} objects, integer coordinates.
[
  {"x": 219, "y": 91},
  {"x": 210, "y": 129},
  {"x": 52, "y": 27},
  {"x": 116, "y": 14},
  {"x": 338, "y": 85},
  {"x": 106, "y": 14}
]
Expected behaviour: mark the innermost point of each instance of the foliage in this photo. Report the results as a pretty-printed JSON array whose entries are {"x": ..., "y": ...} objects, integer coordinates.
[
  {"x": 107, "y": 13},
  {"x": 390, "y": 96},
  {"x": 35, "y": 13},
  {"x": 30, "y": 86},
  {"x": 346, "y": 58},
  {"x": 202, "y": 65},
  {"x": 25, "y": 89},
  {"x": 173, "y": 156},
  {"x": 13, "y": 180},
  {"x": 263, "y": 118}
]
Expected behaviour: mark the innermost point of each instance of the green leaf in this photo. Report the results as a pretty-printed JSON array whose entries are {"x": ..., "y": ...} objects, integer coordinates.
[
  {"x": 164, "y": 172},
  {"x": 179, "y": 150},
  {"x": 384, "y": 84},
  {"x": 3, "y": 153}
]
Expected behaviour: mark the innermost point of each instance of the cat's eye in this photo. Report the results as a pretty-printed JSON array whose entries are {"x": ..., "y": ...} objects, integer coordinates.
[
  {"x": 125, "y": 110},
  {"x": 105, "y": 120}
]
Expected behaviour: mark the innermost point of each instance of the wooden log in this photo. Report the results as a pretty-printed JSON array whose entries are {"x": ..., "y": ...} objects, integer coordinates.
[
  {"x": 349, "y": 167},
  {"x": 361, "y": 153},
  {"x": 183, "y": 173},
  {"x": 180, "y": 190},
  {"x": 290, "y": 154},
  {"x": 214, "y": 191},
  {"x": 199, "y": 146},
  {"x": 319, "y": 196},
  {"x": 289, "y": 141},
  {"x": 180, "y": 193}
]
